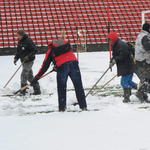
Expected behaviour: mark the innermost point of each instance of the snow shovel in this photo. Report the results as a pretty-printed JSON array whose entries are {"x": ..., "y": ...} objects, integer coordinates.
[
  {"x": 13, "y": 74},
  {"x": 23, "y": 88},
  {"x": 93, "y": 86},
  {"x": 104, "y": 85},
  {"x": 97, "y": 82}
]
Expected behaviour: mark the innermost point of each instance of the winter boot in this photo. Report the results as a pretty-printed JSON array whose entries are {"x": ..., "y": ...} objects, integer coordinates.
[
  {"x": 126, "y": 95},
  {"x": 23, "y": 92},
  {"x": 84, "y": 109},
  {"x": 142, "y": 97},
  {"x": 61, "y": 110},
  {"x": 130, "y": 93},
  {"x": 36, "y": 88},
  {"x": 135, "y": 86},
  {"x": 145, "y": 96}
]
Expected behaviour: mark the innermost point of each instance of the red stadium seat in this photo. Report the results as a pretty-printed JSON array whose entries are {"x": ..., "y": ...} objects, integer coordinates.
[{"x": 44, "y": 20}]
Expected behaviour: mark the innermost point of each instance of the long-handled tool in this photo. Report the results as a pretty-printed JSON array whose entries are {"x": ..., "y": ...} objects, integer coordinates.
[
  {"x": 13, "y": 74},
  {"x": 97, "y": 82},
  {"x": 93, "y": 86},
  {"x": 23, "y": 88},
  {"x": 104, "y": 85},
  {"x": 98, "y": 89}
]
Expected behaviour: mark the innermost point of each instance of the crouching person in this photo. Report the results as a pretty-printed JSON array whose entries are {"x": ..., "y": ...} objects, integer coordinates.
[
  {"x": 125, "y": 64},
  {"x": 66, "y": 64},
  {"x": 26, "y": 51}
]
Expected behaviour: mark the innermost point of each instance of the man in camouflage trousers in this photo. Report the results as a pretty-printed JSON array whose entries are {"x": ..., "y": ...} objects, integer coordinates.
[
  {"x": 142, "y": 57},
  {"x": 26, "y": 51}
]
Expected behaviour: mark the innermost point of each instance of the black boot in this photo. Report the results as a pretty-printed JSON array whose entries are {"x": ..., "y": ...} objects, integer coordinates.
[
  {"x": 142, "y": 97},
  {"x": 126, "y": 95},
  {"x": 36, "y": 88},
  {"x": 135, "y": 86},
  {"x": 23, "y": 92}
]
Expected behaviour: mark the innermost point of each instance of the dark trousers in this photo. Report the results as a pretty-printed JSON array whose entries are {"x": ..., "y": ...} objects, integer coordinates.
[
  {"x": 72, "y": 70},
  {"x": 137, "y": 72},
  {"x": 144, "y": 71},
  {"x": 27, "y": 75}
]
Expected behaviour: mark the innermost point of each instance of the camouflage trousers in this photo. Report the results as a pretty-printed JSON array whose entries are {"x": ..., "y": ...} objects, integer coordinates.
[
  {"x": 145, "y": 78},
  {"x": 144, "y": 72},
  {"x": 27, "y": 73}
]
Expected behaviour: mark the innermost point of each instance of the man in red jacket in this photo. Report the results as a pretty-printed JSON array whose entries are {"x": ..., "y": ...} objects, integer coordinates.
[{"x": 66, "y": 64}]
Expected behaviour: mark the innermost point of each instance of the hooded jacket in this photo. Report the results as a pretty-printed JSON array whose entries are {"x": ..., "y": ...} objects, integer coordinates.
[
  {"x": 146, "y": 27},
  {"x": 26, "y": 47},
  {"x": 142, "y": 45},
  {"x": 121, "y": 55},
  {"x": 59, "y": 60}
]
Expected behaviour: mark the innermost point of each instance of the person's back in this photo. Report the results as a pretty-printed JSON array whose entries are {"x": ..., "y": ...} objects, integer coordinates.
[
  {"x": 66, "y": 64},
  {"x": 61, "y": 52}
]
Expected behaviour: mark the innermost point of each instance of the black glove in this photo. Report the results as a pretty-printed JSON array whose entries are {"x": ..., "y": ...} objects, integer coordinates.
[
  {"x": 111, "y": 64},
  {"x": 26, "y": 58},
  {"x": 34, "y": 81},
  {"x": 15, "y": 61},
  {"x": 55, "y": 68}
]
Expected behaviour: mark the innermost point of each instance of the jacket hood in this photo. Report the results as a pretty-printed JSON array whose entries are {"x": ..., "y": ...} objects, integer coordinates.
[
  {"x": 57, "y": 43},
  {"x": 146, "y": 27},
  {"x": 113, "y": 36}
]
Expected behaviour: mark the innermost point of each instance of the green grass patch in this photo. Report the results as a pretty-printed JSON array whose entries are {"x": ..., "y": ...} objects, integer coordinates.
[
  {"x": 50, "y": 94},
  {"x": 36, "y": 99},
  {"x": 117, "y": 91},
  {"x": 143, "y": 107}
]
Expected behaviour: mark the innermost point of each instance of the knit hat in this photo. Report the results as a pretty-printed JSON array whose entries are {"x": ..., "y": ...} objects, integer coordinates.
[
  {"x": 113, "y": 36},
  {"x": 21, "y": 32},
  {"x": 146, "y": 27}
]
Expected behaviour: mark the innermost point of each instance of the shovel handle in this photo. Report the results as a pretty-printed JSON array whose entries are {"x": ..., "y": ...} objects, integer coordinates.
[
  {"x": 97, "y": 82},
  {"x": 23, "y": 88},
  {"x": 14, "y": 74},
  {"x": 104, "y": 85}
]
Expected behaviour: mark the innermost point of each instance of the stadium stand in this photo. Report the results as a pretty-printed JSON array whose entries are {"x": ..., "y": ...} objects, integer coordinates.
[{"x": 43, "y": 20}]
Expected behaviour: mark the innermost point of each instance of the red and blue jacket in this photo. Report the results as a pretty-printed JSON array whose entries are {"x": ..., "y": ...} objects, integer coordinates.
[{"x": 59, "y": 60}]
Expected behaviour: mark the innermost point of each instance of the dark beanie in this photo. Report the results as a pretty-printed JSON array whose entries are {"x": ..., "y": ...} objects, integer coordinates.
[
  {"x": 21, "y": 32},
  {"x": 146, "y": 27}
]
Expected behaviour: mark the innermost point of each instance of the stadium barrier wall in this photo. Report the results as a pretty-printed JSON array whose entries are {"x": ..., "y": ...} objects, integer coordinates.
[{"x": 43, "y": 49}]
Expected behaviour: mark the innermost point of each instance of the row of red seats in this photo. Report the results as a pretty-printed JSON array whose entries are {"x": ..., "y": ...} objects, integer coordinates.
[{"x": 37, "y": 17}]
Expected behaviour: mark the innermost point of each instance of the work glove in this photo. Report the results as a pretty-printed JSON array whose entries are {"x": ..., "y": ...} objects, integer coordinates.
[
  {"x": 55, "y": 68},
  {"x": 26, "y": 58},
  {"x": 111, "y": 64},
  {"x": 15, "y": 61},
  {"x": 34, "y": 81}
]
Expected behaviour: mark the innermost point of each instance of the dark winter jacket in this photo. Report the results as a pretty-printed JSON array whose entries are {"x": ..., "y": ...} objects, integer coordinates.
[
  {"x": 26, "y": 47},
  {"x": 122, "y": 56},
  {"x": 59, "y": 60}
]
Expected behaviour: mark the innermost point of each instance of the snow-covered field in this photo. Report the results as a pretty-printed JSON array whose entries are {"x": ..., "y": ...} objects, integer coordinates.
[{"x": 34, "y": 123}]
